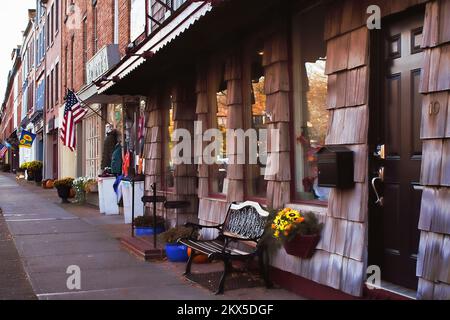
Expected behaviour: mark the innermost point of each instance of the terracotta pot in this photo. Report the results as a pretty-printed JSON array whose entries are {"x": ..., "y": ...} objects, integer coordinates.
[
  {"x": 200, "y": 258},
  {"x": 302, "y": 246}
]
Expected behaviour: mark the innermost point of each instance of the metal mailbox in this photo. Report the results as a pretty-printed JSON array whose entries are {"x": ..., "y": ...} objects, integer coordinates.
[{"x": 335, "y": 167}]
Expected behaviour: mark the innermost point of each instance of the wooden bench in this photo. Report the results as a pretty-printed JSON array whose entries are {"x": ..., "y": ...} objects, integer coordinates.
[{"x": 244, "y": 223}]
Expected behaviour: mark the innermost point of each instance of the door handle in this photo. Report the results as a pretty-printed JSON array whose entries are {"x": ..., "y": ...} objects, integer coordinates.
[{"x": 380, "y": 199}]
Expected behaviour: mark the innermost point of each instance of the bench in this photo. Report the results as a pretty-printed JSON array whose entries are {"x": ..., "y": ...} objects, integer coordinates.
[{"x": 244, "y": 223}]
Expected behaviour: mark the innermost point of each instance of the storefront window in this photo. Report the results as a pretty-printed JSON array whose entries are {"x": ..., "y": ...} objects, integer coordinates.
[
  {"x": 219, "y": 169},
  {"x": 169, "y": 168},
  {"x": 256, "y": 184},
  {"x": 310, "y": 107}
]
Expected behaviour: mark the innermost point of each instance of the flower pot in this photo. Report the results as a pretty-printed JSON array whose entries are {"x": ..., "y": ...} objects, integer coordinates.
[
  {"x": 38, "y": 177},
  {"x": 30, "y": 175},
  {"x": 148, "y": 231},
  {"x": 176, "y": 252},
  {"x": 64, "y": 193},
  {"x": 302, "y": 246}
]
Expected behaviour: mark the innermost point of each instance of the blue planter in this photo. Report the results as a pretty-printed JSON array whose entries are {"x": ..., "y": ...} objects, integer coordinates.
[
  {"x": 176, "y": 252},
  {"x": 148, "y": 231}
]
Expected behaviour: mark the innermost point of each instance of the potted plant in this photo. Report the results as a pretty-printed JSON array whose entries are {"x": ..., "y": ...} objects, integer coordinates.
[
  {"x": 299, "y": 233},
  {"x": 35, "y": 167},
  {"x": 63, "y": 186},
  {"x": 79, "y": 184},
  {"x": 144, "y": 225},
  {"x": 176, "y": 252},
  {"x": 91, "y": 186},
  {"x": 26, "y": 167}
]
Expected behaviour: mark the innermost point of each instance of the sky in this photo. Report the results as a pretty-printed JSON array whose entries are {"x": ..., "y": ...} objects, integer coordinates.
[{"x": 13, "y": 21}]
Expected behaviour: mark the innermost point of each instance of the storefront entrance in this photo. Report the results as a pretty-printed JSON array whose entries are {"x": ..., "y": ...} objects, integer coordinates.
[{"x": 394, "y": 234}]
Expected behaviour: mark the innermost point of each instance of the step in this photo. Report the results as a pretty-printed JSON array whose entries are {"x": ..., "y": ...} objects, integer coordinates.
[{"x": 143, "y": 248}]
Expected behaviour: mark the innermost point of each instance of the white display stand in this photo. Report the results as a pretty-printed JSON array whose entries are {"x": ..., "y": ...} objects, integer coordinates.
[
  {"x": 127, "y": 194},
  {"x": 106, "y": 196}
]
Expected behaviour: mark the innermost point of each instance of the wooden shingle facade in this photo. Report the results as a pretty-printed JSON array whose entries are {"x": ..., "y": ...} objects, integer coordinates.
[{"x": 365, "y": 94}]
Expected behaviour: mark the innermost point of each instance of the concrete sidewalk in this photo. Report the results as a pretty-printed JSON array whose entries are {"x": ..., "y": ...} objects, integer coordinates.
[{"x": 51, "y": 237}]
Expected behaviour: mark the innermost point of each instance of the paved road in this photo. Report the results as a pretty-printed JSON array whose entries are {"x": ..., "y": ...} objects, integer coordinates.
[{"x": 49, "y": 239}]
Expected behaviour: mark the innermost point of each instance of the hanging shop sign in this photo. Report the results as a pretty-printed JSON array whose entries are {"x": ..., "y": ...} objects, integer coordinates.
[
  {"x": 26, "y": 139},
  {"x": 103, "y": 60}
]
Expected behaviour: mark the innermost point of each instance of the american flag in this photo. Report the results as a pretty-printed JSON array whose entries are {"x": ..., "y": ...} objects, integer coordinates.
[
  {"x": 73, "y": 113},
  {"x": 3, "y": 150}
]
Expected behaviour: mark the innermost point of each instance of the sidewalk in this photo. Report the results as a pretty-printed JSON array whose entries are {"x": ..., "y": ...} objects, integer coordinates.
[
  {"x": 50, "y": 237},
  {"x": 14, "y": 283}
]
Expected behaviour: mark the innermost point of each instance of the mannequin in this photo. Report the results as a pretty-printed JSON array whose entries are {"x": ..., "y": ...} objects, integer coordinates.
[
  {"x": 109, "y": 146},
  {"x": 116, "y": 159}
]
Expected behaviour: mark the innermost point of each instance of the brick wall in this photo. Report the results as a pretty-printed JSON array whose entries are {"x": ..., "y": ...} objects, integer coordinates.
[{"x": 73, "y": 27}]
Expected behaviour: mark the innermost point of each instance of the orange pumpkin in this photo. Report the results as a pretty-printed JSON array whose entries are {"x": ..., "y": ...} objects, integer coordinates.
[
  {"x": 200, "y": 258},
  {"x": 49, "y": 184}
]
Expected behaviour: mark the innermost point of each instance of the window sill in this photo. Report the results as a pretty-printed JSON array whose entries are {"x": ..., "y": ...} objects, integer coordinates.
[
  {"x": 217, "y": 196},
  {"x": 316, "y": 203},
  {"x": 259, "y": 200}
]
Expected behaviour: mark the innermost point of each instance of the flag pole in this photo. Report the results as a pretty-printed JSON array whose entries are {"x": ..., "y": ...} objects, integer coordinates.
[{"x": 87, "y": 106}]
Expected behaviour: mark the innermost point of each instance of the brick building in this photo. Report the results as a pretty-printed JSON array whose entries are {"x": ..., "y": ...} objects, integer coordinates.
[{"x": 94, "y": 38}]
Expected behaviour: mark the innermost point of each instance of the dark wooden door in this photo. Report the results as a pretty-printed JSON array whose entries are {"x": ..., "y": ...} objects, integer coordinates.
[{"x": 403, "y": 150}]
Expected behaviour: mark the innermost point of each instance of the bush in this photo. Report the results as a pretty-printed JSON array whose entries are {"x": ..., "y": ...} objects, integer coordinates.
[
  {"x": 6, "y": 167},
  {"x": 24, "y": 166},
  {"x": 147, "y": 222},
  {"x": 172, "y": 235},
  {"x": 34, "y": 165},
  {"x": 65, "y": 182}
]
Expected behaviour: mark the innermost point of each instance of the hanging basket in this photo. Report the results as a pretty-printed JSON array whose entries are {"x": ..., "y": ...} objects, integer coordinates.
[{"x": 302, "y": 246}]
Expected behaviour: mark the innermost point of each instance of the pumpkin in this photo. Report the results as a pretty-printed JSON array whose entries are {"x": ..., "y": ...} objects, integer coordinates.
[
  {"x": 200, "y": 258},
  {"x": 49, "y": 184}
]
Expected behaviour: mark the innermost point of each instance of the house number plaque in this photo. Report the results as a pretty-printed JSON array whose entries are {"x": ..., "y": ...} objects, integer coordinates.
[{"x": 434, "y": 108}]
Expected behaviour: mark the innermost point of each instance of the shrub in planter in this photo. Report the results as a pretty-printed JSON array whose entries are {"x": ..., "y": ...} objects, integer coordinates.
[
  {"x": 176, "y": 252},
  {"x": 299, "y": 233},
  {"x": 36, "y": 168},
  {"x": 26, "y": 167},
  {"x": 64, "y": 186},
  {"x": 144, "y": 225}
]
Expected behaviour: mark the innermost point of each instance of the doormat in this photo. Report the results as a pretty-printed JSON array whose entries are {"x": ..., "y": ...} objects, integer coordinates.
[{"x": 234, "y": 281}]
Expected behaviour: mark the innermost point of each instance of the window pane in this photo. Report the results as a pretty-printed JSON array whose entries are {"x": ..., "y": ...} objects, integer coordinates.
[
  {"x": 310, "y": 102},
  {"x": 314, "y": 122},
  {"x": 168, "y": 144},
  {"x": 219, "y": 182}
]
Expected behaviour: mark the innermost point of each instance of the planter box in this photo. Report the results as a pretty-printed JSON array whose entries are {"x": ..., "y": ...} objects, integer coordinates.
[
  {"x": 148, "y": 231},
  {"x": 107, "y": 197},
  {"x": 302, "y": 246},
  {"x": 127, "y": 194}
]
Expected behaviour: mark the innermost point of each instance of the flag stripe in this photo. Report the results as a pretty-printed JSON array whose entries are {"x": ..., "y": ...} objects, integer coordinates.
[{"x": 73, "y": 114}]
